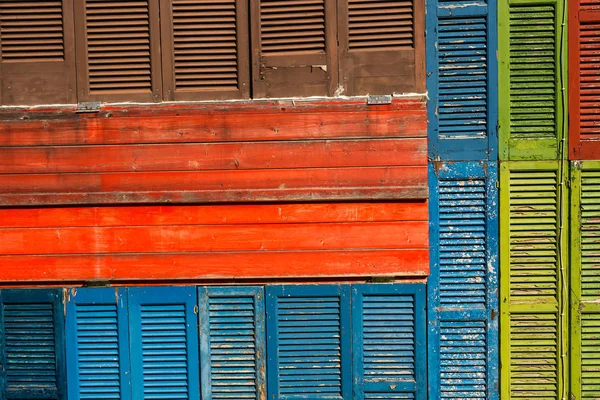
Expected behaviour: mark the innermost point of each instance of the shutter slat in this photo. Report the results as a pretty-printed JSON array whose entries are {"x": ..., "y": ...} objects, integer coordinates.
[
  {"x": 97, "y": 344},
  {"x": 385, "y": 20},
  {"x": 298, "y": 367},
  {"x": 232, "y": 342}
]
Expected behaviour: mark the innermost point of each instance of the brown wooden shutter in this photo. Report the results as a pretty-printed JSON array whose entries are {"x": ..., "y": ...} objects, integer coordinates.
[
  {"x": 37, "y": 64},
  {"x": 205, "y": 49},
  {"x": 382, "y": 49},
  {"x": 294, "y": 48},
  {"x": 118, "y": 50}
]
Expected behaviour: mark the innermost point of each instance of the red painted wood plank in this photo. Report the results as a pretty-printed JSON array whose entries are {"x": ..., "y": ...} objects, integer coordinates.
[
  {"x": 216, "y": 186},
  {"x": 213, "y": 215},
  {"x": 199, "y": 238},
  {"x": 141, "y": 267},
  {"x": 214, "y": 156},
  {"x": 216, "y": 123}
]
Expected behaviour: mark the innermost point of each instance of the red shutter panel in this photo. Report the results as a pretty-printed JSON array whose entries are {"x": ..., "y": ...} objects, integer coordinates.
[
  {"x": 205, "y": 49},
  {"x": 37, "y": 64},
  {"x": 118, "y": 50},
  {"x": 294, "y": 48},
  {"x": 584, "y": 49},
  {"x": 382, "y": 46}
]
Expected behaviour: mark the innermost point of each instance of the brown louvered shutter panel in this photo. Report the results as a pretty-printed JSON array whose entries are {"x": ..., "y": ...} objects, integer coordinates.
[
  {"x": 584, "y": 85},
  {"x": 294, "y": 48},
  {"x": 382, "y": 49},
  {"x": 37, "y": 64},
  {"x": 205, "y": 49},
  {"x": 118, "y": 50}
]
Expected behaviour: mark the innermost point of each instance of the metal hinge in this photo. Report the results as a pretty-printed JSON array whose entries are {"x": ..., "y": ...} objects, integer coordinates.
[
  {"x": 88, "y": 106},
  {"x": 379, "y": 99}
]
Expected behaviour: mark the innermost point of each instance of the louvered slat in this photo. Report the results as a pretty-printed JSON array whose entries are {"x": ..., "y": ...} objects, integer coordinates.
[
  {"x": 462, "y": 263},
  {"x": 292, "y": 26},
  {"x": 232, "y": 348},
  {"x": 463, "y": 73},
  {"x": 31, "y": 31},
  {"x": 30, "y": 350},
  {"x": 590, "y": 356},
  {"x": 532, "y": 64},
  {"x": 98, "y": 344},
  {"x": 380, "y": 25},
  {"x": 463, "y": 360},
  {"x": 590, "y": 236},
  {"x": 589, "y": 70},
  {"x": 205, "y": 45},
  {"x": 118, "y": 46}
]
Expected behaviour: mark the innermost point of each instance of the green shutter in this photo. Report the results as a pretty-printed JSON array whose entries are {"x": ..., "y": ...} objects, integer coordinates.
[
  {"x": 533, "y": 264},
  {"x": 585, "y": 281},
  {"x": 532, "y": 54}
]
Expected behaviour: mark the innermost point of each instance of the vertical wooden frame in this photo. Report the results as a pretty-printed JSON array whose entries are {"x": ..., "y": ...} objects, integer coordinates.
[
  {"x": 465, "y": 314},
  {"x": 574, "y": 77}
]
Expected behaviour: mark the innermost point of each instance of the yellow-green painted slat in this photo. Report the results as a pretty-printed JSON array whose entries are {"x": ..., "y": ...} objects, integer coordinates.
[
  {"x": 585, "y": 280},
  {"x": 534, "y": 309},
  {"x": 532, "y": 52}
]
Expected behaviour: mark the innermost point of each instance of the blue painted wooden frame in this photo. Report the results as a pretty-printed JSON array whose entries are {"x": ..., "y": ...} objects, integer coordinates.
[
  {"x": 257, "y": 293},
  {"x": 462, "y": 149},
  {"x": 463, "y": 171},
  {"x": 420, "y": 358},
  {"x": 97, "y": 296},
  {"x": 28, "y": 296},
  {"x": 273, "y": 293},
  {"x": 139, "y": 296}
]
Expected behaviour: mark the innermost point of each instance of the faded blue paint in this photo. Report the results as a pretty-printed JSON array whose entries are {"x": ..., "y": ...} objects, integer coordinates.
[
  {"x": 463, "y": 286},
  {"x": 389, "y": 341},
  {"x": 309, "y": 341},
  {"x": 97, "y": 338},
  {"x": 462, "y": 80},
  {"x": 232, "y": 342},
  {"x": 32, "y": 319}
]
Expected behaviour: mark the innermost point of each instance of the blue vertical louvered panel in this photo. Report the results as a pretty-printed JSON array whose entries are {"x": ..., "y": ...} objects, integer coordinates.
[
  {"x": 163, "y": 335},
  {"x": 463, "y": 286},
  {"x": 98, "y": 344},
  {"x": 32, "y": 338},
  {"x": 462, "y": 79},
  {"x": 389, "y": 341},
  {"x": 308, "y": 344},
  {"x": 232, "y": 343}
]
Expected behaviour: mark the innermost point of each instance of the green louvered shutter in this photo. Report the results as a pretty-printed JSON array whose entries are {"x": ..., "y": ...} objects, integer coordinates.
[
  {"x": 585, "y": 281},
  {"x": 532, "y": 73},
  {"x": 163, "y": 336},
  {"x": 97, "y": 344},
  {"x": 232, "y": 343},
  {"x": 32, "y": 344},
  {"x": 533, "y": 307}
]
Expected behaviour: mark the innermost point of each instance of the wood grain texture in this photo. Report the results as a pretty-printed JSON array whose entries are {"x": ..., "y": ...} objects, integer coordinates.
[
  {"x": 236, "y": 152},
  {"x": 214, "y": 242}
]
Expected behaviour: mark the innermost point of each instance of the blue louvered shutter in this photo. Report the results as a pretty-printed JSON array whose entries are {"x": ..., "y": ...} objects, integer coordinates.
[
  {"x": 308, "y": 344},
  {"x": 463, "y": 286},
  {"x": 32, "y": 337},
  {"x": 163, "y": 335},
  {"x": 97, "y": 344},
  {"x": 462, "y": 79},
  {"x": 388, "y": 341},
  {"x": 232, "y": 343}
]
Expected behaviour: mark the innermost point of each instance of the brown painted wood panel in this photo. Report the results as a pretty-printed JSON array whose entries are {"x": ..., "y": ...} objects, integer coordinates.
[
  {"x": 223, "y": 153},
  {"x": 214, "y": 242}
]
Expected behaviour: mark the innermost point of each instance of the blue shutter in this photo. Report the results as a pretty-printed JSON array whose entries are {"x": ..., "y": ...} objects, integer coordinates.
[
  {"x": 463, "y": 286},
  {"x": 308, "y": 343},
  {"x": 163, "y": 335},
  {"x": 462, "y": 79},
  {"x": 388, "y": 340},
  {"x": 97, "y": 344},
  {"x": 32, "y": 337},
  {"x": 232, "y": 343}
]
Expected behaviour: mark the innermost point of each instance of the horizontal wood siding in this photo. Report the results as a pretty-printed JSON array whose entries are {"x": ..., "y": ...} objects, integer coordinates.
[
  {"x": 273, "y": 151},
  {"x": 213, "y": 242}
]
